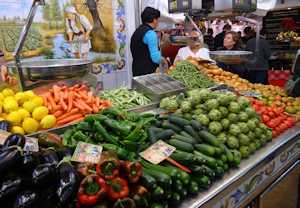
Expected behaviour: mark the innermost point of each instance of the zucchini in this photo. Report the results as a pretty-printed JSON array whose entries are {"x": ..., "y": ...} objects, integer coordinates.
[
  {"x": 172, "y": 172},
  {"x": 177, "y": 185},
  {"x": 202, "y": 170},
  {"x": 183, "y": 193},
  {"x": 220, "y": 163},
  {"x": 158, "y": 193},
  {"x": 196, "y": 125},
  {"x": 185, "y": 134},
  {"x": 157, "y": 205},
  {"x": 228, "y": 153},
  {"x": 148, "y": 181},
  {"x": 185, "y": 158},
  {"x": 178, "y": 121},
  {"x": 206, "y": 149},
  {"x": 168, "y": 125},
  {"x": 193, "y": 187},
  {"x": 209, "y": 138},
  {"x": 225, "y": 167},
  {"x": 184, "y": 146},
  {"x": 219, "y": 171},
  {"x": 175, "y": 199},
  {"x": 164, "y": 135},
  {"x": 223, "y": 158},
  {"x": 152, "y": 132},
  {"x": 161, "y": 178},
  {"x": 203, "y": 181},
  {"x": 211, "y": 162},
  {"x": 184, "y": 177},
  {"x": 219, "y": 151},
  {"x": 189, "y": 129},
  {"x": 184, "y": 139}
]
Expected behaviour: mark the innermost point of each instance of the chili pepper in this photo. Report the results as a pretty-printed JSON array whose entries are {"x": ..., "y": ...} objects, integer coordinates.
[
  {"x": 117, "y": 188},
  {"x": 113, "y": 124},
  {"x": 133, "y": 170},
  {"x": 108, "y": 168},
  {"x": 91, "y": 190},
  {"x": 124, "y": 203},
  {"x": 9, "y": 158},
  {"x": 102, "y": 131},
  {"x": 68, "y": 183},
  {"x": 14, "y": 139}
]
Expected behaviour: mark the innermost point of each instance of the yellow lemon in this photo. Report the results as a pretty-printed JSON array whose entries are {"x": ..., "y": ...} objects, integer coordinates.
[
  {"x": 30, "y": 125},
  {"x": 10, "y": 106},
  {"x": 29, "y": 94},
  {"x": 17, "y": 130},
  {"x": 38, "y": 101},
  {"x": 1, "y": 96},
  {"x": 48, "y": 122},
  {"x": 23, "y": 113},
  {"x": 8, "y": 92},
  {"x": 1, "y": 107},
  {"x": 9, "y": 98},
  {"x": 29, "y": 106},
  {"x": 14, "y": 117},
  {"x": 20, "y": 97},
  {"x": 40, "y": 112}
]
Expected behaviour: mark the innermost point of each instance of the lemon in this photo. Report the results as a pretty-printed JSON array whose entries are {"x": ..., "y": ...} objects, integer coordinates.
[
  {"x": 20, "y": 97},
  {"x": 17, "y": 130},
  {"x": 10, "y": 106},
  {"x": 14, "y": 117},
  {"x": 48, "y": 122},
  {"x": 1, "y": 107},
  {"x": 29, "y": 106},
  {"x": 30, "y": 125},
  {"x": 23, "y": 113},
  {"x": 40, "y": 112},
  {"x": 9, "y": 98},
  {"x": 1, "y": 96},
  {"x": 38, "y": 101},
  {"x": 8, "y": 92},
  {"x": 29, "y": 94}
]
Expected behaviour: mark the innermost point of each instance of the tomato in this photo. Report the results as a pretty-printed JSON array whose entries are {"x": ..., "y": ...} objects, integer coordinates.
[
  {"x": 271, "y": 114},
  {"x": 265, "y": 118},
  {"x": 277, "y": 97},
  {"x": 271, "y": 124},
  {"x": 283, "y": 127},
  {"x": 274, "y": 133},
  {"x": 288, "y": 123}
]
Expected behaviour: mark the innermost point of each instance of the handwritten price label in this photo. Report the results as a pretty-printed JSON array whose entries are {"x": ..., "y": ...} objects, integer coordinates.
[
  {"x": 158, "y": 152},
  {"x": 31, "y": 144},
  {"x": 87, "y": 153}
]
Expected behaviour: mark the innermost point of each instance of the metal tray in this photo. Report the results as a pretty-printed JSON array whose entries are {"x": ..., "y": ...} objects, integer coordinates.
[{"x": 231, "y": 57}]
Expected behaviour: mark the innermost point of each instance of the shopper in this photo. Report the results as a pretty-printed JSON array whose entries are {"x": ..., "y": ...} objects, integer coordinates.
[
  {"x": 194, "y": 49},
  {"x": 144, "y": 44},
  {"x": 78, "y": 29},
  {"x": 220, "y": 37},
  {"x": 247, "y": 35},
  {"x": 232, "y": 43},
  {"x": 209, "y": 39},
  {"x": 258, "y": 70}
]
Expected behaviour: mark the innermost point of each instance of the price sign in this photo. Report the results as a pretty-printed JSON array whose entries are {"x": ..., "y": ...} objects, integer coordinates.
[
  {"x": 3, "y": 136},
  {"x": 157, "y": 152},
  {"x": 250, "y": 94},
  {"x": 31, "y": 144},
  {"x": 87, "y": 153}
]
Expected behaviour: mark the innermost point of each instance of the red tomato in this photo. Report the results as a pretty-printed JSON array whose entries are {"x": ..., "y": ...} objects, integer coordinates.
[
  {"x": 271, "y": 124},
  {"x": 271, "y": 114},
  {"x": 283, "y": 127},
  {"x": 265, "y": 118},
  {"x": 274, "y": 133}
]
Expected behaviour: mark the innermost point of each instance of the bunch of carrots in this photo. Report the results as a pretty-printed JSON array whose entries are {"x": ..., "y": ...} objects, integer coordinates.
[{"x": 71, "y": 104}]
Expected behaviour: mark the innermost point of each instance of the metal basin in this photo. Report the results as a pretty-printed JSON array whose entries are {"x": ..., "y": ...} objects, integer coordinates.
[
  {"x": 231, "y": 57},
  {"x": 52, "y": 69}
]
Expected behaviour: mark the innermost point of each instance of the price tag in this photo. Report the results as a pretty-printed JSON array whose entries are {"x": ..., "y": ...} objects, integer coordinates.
[
  {"x": 250, "y": 94},
  {"x": 158, "y": 152},
  {"x": 3, "y": 136},
  {"x": 87, "y": 153},
  {"x": 31, "y": 144}
]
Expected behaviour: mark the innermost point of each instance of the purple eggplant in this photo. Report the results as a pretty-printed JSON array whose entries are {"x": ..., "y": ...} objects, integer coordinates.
[
  {"x": 9, "y": 158},
  {"x": 10, "y": 187},
  {"x": 44, "y": 174},
  {"x": 49, "y": 156},
  {"x": 27, "y": 199},
  {"x": 14, "y": 139}
]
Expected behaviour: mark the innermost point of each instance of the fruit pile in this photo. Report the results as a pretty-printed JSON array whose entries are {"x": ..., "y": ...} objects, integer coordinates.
[
  {"x": 25, "y": 111},
  {"x": 274, "y": 117}
]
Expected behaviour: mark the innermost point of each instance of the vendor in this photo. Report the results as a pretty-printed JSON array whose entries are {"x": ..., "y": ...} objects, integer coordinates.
[
  {"x": 194, "y": 49},
  {"x": 232, "y": 43},
  {"x": 144, "y": 44},
  {"x": 78, "y": 29}
]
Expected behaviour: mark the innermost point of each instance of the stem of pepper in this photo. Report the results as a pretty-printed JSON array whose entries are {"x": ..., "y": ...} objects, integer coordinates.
[
  {"x": 91, "y": 188},
  {"x": 108, "y": 168}
]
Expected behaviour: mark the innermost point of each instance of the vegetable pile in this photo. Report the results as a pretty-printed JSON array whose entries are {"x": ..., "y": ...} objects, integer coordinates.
[
  {"x": 124, "y": 98},
  {"x": 188, "y": 74}
]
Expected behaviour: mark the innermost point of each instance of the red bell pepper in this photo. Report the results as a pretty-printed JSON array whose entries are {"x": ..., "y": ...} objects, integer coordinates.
[
  {"x": 132, "y": 170},
  {"x": 108, "y": 169},
  {"x": 117, "y": 188},
  {"x": 91, "y": 190}
]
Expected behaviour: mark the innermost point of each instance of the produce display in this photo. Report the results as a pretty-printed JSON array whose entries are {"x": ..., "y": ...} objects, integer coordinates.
[
  {"x": 25, "y": 112},
  {"x": 125, "y": 98},
  {"x": 188, "y": 74}
]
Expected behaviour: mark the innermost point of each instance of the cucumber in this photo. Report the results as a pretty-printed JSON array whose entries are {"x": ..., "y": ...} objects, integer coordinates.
[
  {"x": 223, "y": 158},
  {"x": 193, "y": 187},
  {"x": 158, "y": 193},
  {"x": 161, "y": 178},
  {"x": 175, "y": 199},
  {"x": 177, "y": 185},
  {"x": 183, "y": 146},
  {"x": 209, "y": 138},
  {"x": 228, "y": 153},
  {"x": 196, "y": 125},
  {"x": 178, "y": 121},
  {"x": 168, "y": 125},
  {"x": 202, "y": 170},
  {"x": 189, "y": 129},
  {"x": 219, "y": 151},
  {"x": 152, "y": 134},
  {"x": 203, "y": 181},
  {"x": 166, "y": 134},
  {"x": 184, "y": 177},
  {"x": 225, "y": 167},
  {"x": 184, "y": 139},
  {"x": 206, "y": 149},
  {"x": 211, "y": 162},
  {"x": 219, "y": 171},
  {"x": 220, "y": 163},
  {"x": 171, "y": 172},
  {"x": 183, "y": 157},
  {"x": 183, "y": 193},
  {"x": 185, "y": 134},
  {"x": 148, "y": 181}
]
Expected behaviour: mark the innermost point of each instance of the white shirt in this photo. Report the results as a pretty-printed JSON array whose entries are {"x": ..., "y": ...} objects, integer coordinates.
[
  {"x": 83, "y": 21},
  {"x": 186, "y": 52}
]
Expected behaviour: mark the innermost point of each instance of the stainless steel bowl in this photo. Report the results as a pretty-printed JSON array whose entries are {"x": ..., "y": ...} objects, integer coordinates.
[
  {"x": 231, "y": 57},
  {"x": 52, "y": 69},
  {"x": 180, "y": 40}
]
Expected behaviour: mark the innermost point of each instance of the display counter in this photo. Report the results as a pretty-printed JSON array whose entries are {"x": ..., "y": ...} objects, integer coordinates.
[{"x": 240, "y": 186}]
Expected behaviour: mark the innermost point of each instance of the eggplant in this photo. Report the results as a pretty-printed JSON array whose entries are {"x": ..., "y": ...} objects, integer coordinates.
[
  {"x": 68, "y": 183},
  {"x": 5, "y": 125},
  {"x": 10, "y": 187},
  {"x": 48, "y": 196},
  {"x": 9, "y": 158},
  {"x": 27, "y": 199},
  {"x": 29, "y": 161},
  {"x": 15, "y": 139},
  {"x": 44, "y": 174},
  {"x": 50, "y": 156},
  {"x": 64, "y": 152}
]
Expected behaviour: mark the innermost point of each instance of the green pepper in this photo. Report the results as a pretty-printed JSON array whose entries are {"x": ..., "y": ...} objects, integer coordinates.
[
  {"x": 121, "y": 152},
  {"x": 90, "y": 119},
  {"x": 123, "y": 129},
  {"x": 79, "y": 136},
  {"x": 136, "y": 134},
  {"x": 102, "y": 131},
  {"x": 83, "y": 126}
]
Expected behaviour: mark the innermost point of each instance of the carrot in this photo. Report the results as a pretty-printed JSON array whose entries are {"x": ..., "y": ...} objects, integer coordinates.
[
  {"x": 76, "y": 94},
  {"x": 78, "y": 120},
  {"x": 58, "y": 113},
  {"x": 70, "y": 101},
  {"x": 66, "y": 94},
  {"x": 56, "y": 92},
  {"x": 45, "y": 100},
  {"x": 83, "y": 95},
  {"x": 69, "y": 119},
  {"x": 79, "y": 106},
  {"x": 95, "y": 108},
  {"x": 98, "y": 102},
  {"x": 86, "y": 106},
  {"x": 51, "y": 101},
  {"x": 185, "y": 169},
  {"x": 90, "y": 97},
  {"x": 72, "y": 112},
  {"x": 62, "y": 102}
]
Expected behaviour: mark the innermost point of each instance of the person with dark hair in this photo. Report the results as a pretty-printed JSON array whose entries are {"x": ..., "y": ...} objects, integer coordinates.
[
  {"x": 144, "y": 44},
  {"x": 209, "y": 39},
  {"x": 248, "y": 33},
  {"x": 220, "y": 37}
]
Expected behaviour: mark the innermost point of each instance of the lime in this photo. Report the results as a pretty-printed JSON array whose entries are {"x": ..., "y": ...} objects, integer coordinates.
[
  {"x": 38, "y": 101},
  {"x": 8, "y": 92},
  {"x": 17, "y": 130},
  {"x": 23, "y": 113},
  {"x": 14, "y": 117},
  {"x": 30, "y": 125},
  {"x": 29, "y": 106},
  {"x": 10, "y": 106},
  {"x": 48, "y": 122},
  {"x": 40, "y": 112}
]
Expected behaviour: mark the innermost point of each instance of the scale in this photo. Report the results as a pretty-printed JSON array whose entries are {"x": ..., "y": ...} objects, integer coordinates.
[{"x": 33, "y": 74}]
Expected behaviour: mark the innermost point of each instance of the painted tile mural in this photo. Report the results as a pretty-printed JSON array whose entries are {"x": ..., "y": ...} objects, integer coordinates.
[{"x": 88, "y": 29}]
